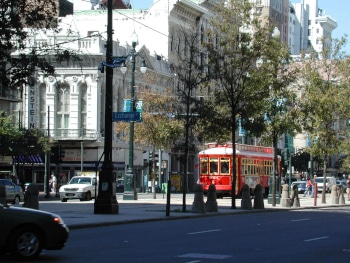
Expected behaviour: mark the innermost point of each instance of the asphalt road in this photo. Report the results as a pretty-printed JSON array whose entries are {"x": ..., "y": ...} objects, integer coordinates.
[{"x": 316, "y": 235}]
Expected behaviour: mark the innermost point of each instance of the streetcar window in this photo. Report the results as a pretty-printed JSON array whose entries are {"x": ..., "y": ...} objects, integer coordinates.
[
  {"x": 204, "y": 165},
  {"x": 224, "y": 165},
  {"x": 213, "y": 165}
]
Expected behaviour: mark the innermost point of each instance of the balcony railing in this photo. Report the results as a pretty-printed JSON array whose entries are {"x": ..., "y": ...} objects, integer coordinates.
[{"x": 74, "y": 134}]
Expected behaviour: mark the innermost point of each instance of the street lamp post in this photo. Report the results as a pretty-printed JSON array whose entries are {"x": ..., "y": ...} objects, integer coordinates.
[
  {"x": 106, "y": 201},
  {"x": 274, "y": 180},
  {"x": 130, "y": 180}
]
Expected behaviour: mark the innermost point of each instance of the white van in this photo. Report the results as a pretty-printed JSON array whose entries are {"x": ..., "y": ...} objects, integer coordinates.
[
  {"x": 83, "y": 187},
  {"x": 330, "y": 181}
]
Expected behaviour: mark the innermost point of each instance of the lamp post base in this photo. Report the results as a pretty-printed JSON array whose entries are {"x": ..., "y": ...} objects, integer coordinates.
[
  {"x": 128, "y": 196},
  {"x": 106, "y": 207},
  {"x": 129, "y": 193},
  {"x": 277, "y": 192},
  {"x": 106, "y": 201},
  {"x": 277, "y": 198}
]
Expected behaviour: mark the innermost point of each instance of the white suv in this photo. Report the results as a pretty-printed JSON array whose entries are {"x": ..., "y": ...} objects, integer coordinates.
[
  {"x": 79, "y": 187},
  {"x": 330, "y": 181}
]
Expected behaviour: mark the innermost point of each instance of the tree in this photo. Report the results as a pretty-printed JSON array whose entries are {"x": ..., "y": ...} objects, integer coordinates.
[
  {"x": 189, "y": 65},
  {"x": 21, "y": 22},
  {"x": 237, "y": 40},
  {"x": 324, "y": 101},
  {"x": 159, "y": 128},
  {"x": 281, "y": 115},
  {"x": 16, "y": 142},
  {"x": 9, "y": 134}
]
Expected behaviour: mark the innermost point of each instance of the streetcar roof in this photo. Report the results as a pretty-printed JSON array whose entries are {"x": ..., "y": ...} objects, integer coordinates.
[{"x": 228, "y": 151}]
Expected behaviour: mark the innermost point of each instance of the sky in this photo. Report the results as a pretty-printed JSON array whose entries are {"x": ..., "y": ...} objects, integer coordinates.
[
  {"x": 337, "y": 9},
  {"x": 141, "y": 4}
]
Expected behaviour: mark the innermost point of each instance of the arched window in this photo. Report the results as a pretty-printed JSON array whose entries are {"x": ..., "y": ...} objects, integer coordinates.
[
  {"x": 83, "y": 108},
  {"x": 63, "y": 106}
]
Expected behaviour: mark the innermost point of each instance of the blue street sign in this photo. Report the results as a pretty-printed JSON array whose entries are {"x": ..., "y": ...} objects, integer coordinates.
[{"x": 126, "y": 116}]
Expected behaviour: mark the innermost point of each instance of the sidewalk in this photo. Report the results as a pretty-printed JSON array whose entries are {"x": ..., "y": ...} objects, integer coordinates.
[{"x": 77, "y": 214}]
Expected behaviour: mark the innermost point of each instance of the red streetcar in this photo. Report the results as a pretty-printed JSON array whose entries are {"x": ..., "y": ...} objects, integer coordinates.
[{"x": 254, "y": 165}]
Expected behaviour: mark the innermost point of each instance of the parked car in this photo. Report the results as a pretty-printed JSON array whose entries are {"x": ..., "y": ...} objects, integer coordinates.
[
  {"x": 286, "y": 180},
  {"x": 301, "y": 186},
  {"x": 83, "y": 187},
  {"x": 14, "y": 193},
  {"x": 120, "y": 186},
  {"x": 25, "y": 232},
  {"x": 330, "y": 181}
]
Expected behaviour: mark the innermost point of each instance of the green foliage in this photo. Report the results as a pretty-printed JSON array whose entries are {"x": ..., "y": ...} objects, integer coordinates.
[
  {"x": 301, "y": 160},
  {"x": 324, "y": 106},
  {"x": 324, "y": 103},
  {"x": 15, "y": 142},
  {"x": 21, "y": 56},
  {"x": 235, "y": 43},
  {"x": 158, "y": 129}
]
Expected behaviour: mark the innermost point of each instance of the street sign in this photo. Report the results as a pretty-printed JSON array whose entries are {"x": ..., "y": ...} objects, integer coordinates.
[
  {"x": 138, "y": 106},
  {"x": 126, "y": 116}
]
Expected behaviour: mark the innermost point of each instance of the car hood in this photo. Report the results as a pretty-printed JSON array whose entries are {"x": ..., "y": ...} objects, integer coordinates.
[
  {"x": 75, "y": 185},
  {"x": 23, "y": 211}
]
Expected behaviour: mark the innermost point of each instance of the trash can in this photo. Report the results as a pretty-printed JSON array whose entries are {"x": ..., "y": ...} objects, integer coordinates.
[{"x": 164, "y": 188}]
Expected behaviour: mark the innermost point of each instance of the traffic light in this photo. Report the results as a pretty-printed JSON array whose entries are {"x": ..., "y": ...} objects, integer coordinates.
[
  {"x": 61, "y": 153},
  {"x": 150, "y": 157},
  {"x": 54, "y": 154}
]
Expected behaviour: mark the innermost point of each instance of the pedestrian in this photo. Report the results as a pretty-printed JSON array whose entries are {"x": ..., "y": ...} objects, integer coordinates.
[
  {"x": 53, "y": 183},
  {"x": 308, "y": 189},
  {"x": 348, "y": 187}
]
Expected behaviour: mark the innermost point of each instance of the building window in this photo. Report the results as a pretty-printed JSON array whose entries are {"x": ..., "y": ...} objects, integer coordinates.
[
  {"x": 62, "y": 106},
  {"x": 83, "y": 108}
]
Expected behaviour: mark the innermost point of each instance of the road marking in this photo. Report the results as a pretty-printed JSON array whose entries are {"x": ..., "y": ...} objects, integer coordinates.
[
  {"x": 194, "y": 261},
  {"x": 204, "y": 256},
  {"x": 346, "y": 250},
  {"x": 203, "y": 232},
  {"x": 298, "y": 220},
  {"x": 315, "y": 239}
]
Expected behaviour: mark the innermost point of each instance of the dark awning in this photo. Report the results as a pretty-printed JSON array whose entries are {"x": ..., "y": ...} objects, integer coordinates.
[{"x": 36, "y": 158}]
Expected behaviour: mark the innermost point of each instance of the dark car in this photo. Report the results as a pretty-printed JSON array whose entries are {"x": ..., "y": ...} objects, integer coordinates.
[
  {"x": 25, "y": 232},
  {"x": 301, "y": 186},
  {"x": 14, "y": 193},
  {"x": 120, "y": 186}
]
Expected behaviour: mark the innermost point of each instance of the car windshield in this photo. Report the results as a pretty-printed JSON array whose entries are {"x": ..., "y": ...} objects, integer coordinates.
[{"x": 80, "y": 180}]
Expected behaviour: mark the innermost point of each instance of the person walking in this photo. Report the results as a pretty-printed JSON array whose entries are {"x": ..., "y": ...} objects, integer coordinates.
[
  {"x": 53, "y": 183},
  {"x": 308, "y": 187}
]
